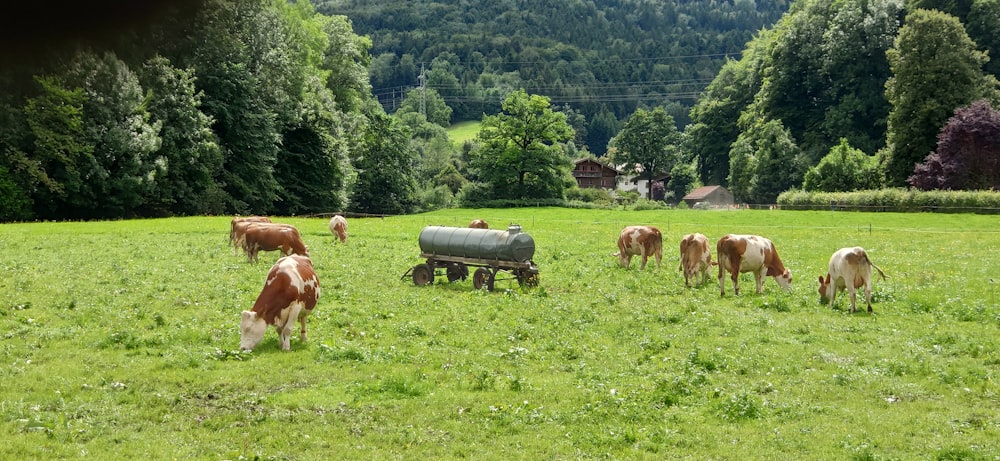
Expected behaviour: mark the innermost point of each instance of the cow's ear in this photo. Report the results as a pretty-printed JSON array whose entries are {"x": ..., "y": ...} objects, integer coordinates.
[
  {"x": 821, "y": 280},
  {"x": 249, "y": 315}
]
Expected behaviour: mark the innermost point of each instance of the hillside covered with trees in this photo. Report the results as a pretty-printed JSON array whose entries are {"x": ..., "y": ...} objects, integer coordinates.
[{"x": 602, "y": 58}]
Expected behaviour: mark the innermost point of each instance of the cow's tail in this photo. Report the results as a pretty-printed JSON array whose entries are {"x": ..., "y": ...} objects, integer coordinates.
[
  {"x": 877, "y": 268},
  {"x": 870, "y": 263}
]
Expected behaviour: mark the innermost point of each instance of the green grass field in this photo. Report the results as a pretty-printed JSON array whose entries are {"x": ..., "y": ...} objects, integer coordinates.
[
  {"x": 460, "y": 132},
  {"x": 120, "y": 341}
]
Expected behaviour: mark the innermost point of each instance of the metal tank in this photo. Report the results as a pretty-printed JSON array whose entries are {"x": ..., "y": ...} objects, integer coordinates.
[{"x": 489, "y": 244}]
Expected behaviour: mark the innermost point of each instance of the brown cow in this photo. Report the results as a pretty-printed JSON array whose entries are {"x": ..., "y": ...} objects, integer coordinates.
[
  {"x": 338, "y": 225},
  {"x": 750, "y": 253},
  {"x": 642, "y": 241},
  {"x": 695, "y": 258},
  {"x": 290, "y": 293},
  {"x": 238, "y": 225},
  {"x": 852, "y": 269},
  {"x": 270, "y": 237},
  {"x": 479, "y": 224}
]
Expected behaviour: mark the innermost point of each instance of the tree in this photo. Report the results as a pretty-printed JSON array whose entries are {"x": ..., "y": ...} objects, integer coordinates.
[
  {"x": 936, "y": 68},
  {"x": 384, "y": 162},
  {"x": 648, "y": 145},
  {"x": 844, "y": 169},
  {"x": 188, "y": 157},
  {"x": 117, "y": 125},
  {"x": 968, "y": 152},
  {"x": 434, "y": 107},
  {"x": 763, "y": 163},
  {"x": 520, "y": 153}
]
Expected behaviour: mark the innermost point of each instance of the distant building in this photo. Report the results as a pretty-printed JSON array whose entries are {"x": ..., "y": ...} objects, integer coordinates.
[
  {"x": 640, "y": 184},
  {"x": 709, "y": 196},
  {"x": 590, "y": 173}
]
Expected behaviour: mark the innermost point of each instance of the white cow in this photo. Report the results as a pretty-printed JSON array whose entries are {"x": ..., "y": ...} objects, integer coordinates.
[
  {"x": 338, "y": 225},
  {"x": 849, "y": 268}
]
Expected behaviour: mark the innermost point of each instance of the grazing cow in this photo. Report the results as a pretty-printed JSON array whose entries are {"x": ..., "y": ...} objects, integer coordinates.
[
  {"x": 695, "y": 258},
  {"x": 479, "y": 224},
  {"x": 642, "y": 241},
  {"x": 289, "y": 294},
  {"x": 849, "y": 268},
  {"x": 238, "y": 225},
  {"x": 338, "y": 225},
  {"x": 270, "y": 237},
  {"x": 750, "y": 253}
]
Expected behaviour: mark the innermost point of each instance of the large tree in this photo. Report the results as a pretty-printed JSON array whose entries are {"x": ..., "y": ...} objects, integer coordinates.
[
  {"x": 648, "y": 145},
  {"x": 968, "y": 152},
  {"x": 521, "y": 154},
  {"x": 384, "y": 161},
  {"x": 936, "y": 69},
  {"x": 844, "y": 169}
]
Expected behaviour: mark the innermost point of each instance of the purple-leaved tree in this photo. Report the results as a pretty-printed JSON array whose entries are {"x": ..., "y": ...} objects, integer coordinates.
[{"x": 968, "y": 152}]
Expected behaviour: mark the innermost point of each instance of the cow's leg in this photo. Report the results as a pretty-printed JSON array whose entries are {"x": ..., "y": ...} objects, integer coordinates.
[
  {"x": 868, "y": 295},
  {"x": 852, "y": 292},
  {"x": 659, "y": 256},
  {"x": 758, "y": 276},
  {"x": 644, "y": 258},
  {"x": 302, "y": 322},
  {"x": 722, "y": 280}
]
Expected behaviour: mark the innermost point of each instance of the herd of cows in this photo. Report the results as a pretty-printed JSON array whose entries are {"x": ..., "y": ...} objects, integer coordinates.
[
  {"x": 849, "y": 268},
  {"x": 291, "y": 288}
]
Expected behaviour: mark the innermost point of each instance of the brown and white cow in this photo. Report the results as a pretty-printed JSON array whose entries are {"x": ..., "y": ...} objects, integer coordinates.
[
  {"x": 642, "y": 241},
  {"x": 238, "y": 225},
  {"x": 338, "y": 225},
  {"x": 290, "y": 293},
  {"x": 479, "y": 224},
  {"x": 852, "y": 269},
  {"x": 750, "y": 253},
  {"x": 695, "y": 258},
  {"x": 272, "y": 237}
]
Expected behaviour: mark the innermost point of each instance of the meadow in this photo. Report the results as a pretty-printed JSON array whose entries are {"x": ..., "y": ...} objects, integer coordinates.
[{"x": 120, "y": 340}]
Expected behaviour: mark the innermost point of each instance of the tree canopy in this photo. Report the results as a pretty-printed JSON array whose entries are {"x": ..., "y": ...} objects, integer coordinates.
[
  {"x": 648, "y": 145},
  {"x": 521, "y": 154}
]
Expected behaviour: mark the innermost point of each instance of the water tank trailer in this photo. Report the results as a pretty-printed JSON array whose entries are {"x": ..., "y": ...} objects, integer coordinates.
[{"x": 453, "y": 249}]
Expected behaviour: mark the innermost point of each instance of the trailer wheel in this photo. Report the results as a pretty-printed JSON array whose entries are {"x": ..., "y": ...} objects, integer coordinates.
[
  {"x": 457, "y": 271},
  {"x": 483, "y": 277},
  {"x": 527, "y": 278},
  {"x": 422, "y": 275}
]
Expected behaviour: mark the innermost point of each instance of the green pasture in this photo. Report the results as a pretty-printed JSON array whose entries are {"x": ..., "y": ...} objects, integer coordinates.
[
  {"x": 460, "y": 132},
  {"x": 119, "y": 341}
]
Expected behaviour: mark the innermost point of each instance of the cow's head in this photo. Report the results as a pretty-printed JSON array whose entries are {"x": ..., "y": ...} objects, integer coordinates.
[
  {"x": 252, "y": 329},
  {"x": 784, "y": 280},
  {"x": 825, "y": 289}
]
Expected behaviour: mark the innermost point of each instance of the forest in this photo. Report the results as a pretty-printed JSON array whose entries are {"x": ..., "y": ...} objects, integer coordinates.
[{"x": 272, "y": 107}]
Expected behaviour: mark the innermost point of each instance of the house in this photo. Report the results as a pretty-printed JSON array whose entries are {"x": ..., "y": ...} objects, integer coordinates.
[
  {"x": 710, "y": 195},
  {"x": 590, "y": 173},
  {"x": 639, "y": 183}
]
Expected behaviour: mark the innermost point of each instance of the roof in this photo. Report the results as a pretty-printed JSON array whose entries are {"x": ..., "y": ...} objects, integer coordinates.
[
  {"x": 702, "y": 192},
  {"x": 602, "y": 164}
]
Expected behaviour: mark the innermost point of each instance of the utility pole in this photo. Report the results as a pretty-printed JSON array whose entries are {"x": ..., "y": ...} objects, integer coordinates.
[{"x": 422, "y": 78}]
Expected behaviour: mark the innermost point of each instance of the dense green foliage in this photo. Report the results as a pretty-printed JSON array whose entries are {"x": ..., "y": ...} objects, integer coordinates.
[
  {"x": 602, "y": 57},
  {"x": 132, "y": 353},
  {"x": 885, "y": 76},
  {"x": 521, "y": 154},
  {"x": 844, "y": 169},
  {"x": 245, "y": 107},
  {"x": 894, "y": 199},
  {"x": 648, "y": 145}
]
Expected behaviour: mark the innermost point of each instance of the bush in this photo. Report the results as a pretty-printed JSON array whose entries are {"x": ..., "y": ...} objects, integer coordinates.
[
  {"x": 987, "y": 202},
  {"x": 589, "y": 195}
]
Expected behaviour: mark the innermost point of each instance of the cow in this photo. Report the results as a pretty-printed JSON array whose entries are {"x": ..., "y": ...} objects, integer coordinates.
[
  {"x": 695, "y": 258},
  {"x": 290, "y": 293},
  {"x": 270, "y": 237},
  {"x": 338, "y": 225},
  {"x": 238, "y": 225},
  {"x": 642, "y": 241},
  {"x": 750, "y": 253},
  {"x": 852, "y": 269},
  {"x": 479, "y": 224}
]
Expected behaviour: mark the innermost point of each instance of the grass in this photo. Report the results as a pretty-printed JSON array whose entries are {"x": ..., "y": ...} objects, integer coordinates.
[
  {"x": 120, "y": 340},
  {"x": 460, "y": 132}
]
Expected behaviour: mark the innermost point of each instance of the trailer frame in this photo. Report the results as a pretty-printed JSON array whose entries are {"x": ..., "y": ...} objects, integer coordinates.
[{"x": 457, "y": 268}]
